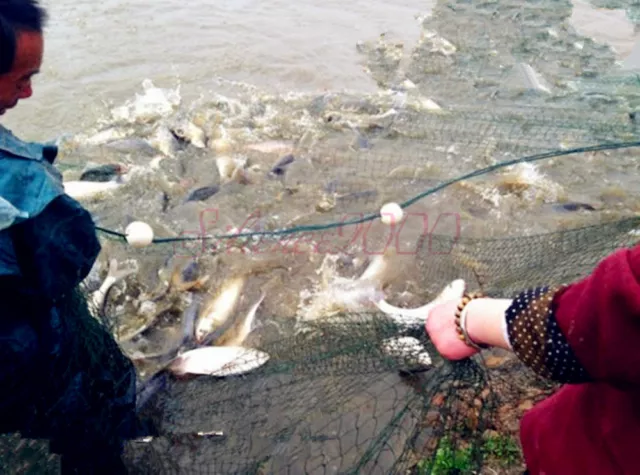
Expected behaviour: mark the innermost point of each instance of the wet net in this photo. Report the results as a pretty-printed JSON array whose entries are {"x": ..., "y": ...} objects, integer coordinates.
[
  {"x": 333, "y": 399},
  {"x": 273, "y": 201}
]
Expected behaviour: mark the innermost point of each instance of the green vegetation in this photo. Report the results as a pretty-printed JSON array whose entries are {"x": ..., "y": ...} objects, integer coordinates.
[
  {"x": 502, "y": 449},
  {"x": 499, "y": 449}
]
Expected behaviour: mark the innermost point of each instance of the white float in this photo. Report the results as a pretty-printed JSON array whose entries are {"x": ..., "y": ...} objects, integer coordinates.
[
  {"x": 391, "y": 213},
  {"x": 139, "y": 234}
]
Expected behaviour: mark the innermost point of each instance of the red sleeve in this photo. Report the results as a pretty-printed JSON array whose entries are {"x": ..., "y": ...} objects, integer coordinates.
[{"x": 600, "y": 318}]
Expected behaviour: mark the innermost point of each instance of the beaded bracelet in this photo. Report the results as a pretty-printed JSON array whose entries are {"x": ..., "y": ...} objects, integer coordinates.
[{"x": 460, "y": 319}]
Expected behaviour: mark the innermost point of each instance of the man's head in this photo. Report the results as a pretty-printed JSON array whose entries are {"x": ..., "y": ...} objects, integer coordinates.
[{"x": 21, "y": 49}]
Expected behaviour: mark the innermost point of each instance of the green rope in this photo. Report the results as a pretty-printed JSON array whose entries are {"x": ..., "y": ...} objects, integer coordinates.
[{"x": 371, "y": 217}]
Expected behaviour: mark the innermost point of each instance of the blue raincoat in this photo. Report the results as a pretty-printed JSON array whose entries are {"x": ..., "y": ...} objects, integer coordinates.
[{"x": 62, "y": 376}]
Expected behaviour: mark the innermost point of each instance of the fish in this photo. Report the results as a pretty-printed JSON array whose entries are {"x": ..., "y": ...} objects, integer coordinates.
[
  {"x": 93, "y": 280},
  {"x": 237, "y": 333},
  {"x": 151, "y": 317},
  {"x": 187, "y": 278},
  {"x": 190, "y": 271},
  {"x": 203, "y": 193},
  {"x": 573, "y": 207},
  {"x": 218, "y": 361},
  {"x": 279, "y": 168},
  {"x": 114, "y": 275},
  {"x": 377, "y": 268},
  {"x": 159, "y": 381},
  {"x": 131, "y": 145},
  {"x": 189, "y": 321},
  {"x": 186, "y": 340},
  {"x": 103, "y": 173},
  {"x": 84, "y": 190},
  {"x": 198, "y": 360},
  {"x": 108, "y": 135},
  {"x": 178, "y": 281},
  {"x": 217, "y": 311},
  {"x": 418, "y": 316},
  {"x": 164, "y": 141},
  {"x": 408, "y": 348},
  {"x": 271, "y": 146}
]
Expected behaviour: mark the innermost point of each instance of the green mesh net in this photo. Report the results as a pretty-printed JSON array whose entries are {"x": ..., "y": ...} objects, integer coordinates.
[{"x": 331, "y": 400}]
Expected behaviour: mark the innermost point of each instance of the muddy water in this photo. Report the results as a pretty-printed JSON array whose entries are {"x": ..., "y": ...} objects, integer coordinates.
[{"x": 98, "y": 54}]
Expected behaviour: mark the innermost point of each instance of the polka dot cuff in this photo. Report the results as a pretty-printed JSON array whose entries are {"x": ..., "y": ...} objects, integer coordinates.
[{"x": 537, "y": 340}]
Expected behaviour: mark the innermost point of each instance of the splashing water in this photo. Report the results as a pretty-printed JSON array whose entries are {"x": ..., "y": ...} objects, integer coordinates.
[
  {"x": 152, "y": 105},
  {"x": 334, "y": 294}
]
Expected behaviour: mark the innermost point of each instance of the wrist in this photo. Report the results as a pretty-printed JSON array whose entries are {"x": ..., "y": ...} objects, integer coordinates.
[{"x": 485, "y": 321}]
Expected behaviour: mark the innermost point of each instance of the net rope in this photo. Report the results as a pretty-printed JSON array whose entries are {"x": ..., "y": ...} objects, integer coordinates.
[{"x": 403, "y": 205}]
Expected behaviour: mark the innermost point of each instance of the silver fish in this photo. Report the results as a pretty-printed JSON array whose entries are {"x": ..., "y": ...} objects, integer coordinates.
[
  {"x": 189, "y": 321},
  {"x": 84, "y": 190},
  {"x": 114, "y": 275},
  {"x": 418, "y": 316},
  {"x": 238, "y": 332},
  {"x": 271, "y": 146},
  {"x": 132, "y": 145},
  {"x": 409, "y": 349},
  {"x": 186, "y": 341},
  {"x": 218, "y": 310},
  {"x": 108, "y": 135},
  {"x": 218, "y": 361},
  {"x": 164, "y": 141}
]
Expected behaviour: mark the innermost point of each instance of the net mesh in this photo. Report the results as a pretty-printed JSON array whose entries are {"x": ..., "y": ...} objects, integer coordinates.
[
  {"x": 330, "y": 400},
  {"x": 452, "y": 136}
]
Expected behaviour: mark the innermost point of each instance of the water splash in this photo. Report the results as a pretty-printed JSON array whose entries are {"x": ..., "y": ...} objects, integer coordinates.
[
  {"x": 153, "y": 104},
  {"x": 334, "y": 294}
]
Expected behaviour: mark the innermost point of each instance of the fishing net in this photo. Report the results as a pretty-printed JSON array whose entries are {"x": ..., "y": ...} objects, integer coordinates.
[
  {"x": 505, "y": 183},
  {"x": 331, "y": 400}
]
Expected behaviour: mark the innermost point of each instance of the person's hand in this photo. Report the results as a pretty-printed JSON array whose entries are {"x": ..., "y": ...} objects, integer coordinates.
[{"x": 441, "y": 328}]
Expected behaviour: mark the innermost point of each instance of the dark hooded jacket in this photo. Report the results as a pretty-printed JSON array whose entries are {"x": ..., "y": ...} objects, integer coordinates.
[{"x": 71, "y": 383}]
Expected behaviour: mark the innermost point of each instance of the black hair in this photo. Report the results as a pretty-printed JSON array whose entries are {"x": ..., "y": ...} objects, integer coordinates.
[{"x": 17, "y": 16}]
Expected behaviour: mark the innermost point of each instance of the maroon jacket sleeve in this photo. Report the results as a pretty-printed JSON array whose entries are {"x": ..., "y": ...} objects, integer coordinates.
[{"x": 600, "y": 318}]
